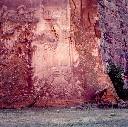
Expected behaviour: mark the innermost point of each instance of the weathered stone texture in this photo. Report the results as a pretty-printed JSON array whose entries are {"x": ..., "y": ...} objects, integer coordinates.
[
  {"x": 87, "y": 40},
  {"x": 114, "y": 23},
  {"x": 58, "y": 41},
  {"x": 114, "y": 39}
]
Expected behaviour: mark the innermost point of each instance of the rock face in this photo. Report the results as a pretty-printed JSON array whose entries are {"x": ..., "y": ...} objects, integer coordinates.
[
  {"x": 55, "y": 44},
  {"x": 86, "y": 34},
  {"x": 114, "y": 26}
]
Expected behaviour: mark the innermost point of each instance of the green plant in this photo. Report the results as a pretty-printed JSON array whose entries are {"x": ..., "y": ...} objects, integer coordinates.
[{"x": 115, "y": 74}]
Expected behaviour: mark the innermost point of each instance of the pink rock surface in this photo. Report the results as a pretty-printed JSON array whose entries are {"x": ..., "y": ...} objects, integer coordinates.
[{"x": 63, "y": 52}]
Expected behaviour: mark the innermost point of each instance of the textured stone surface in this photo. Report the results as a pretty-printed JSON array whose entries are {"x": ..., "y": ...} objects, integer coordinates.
[
  {"x": 114, "y": 24},
  {"x": 59, "y": 43},
  {"x": 87, "y": 40}
]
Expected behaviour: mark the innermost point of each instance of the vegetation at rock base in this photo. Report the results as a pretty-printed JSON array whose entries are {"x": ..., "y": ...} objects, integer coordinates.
[{"x": 115, "y": 74}]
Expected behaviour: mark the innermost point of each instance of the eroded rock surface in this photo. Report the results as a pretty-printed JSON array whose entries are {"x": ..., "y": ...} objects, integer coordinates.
[
  {"x": 114, "y": 40},
  {"x": 59, "y": 43}
]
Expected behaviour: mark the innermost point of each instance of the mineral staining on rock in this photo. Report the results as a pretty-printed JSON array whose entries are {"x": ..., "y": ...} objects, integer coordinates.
[
  {"x": 57, "y": 43},
  {"x": 91, "y": 67},
  {"x": 17, "y": 33},
  {"x": 56, "y": 57}
]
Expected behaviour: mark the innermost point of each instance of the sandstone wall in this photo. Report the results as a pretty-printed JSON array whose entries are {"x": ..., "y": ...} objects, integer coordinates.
[
  {"x": 55, "y": 44},
  {"x": 86, "y": 34}
]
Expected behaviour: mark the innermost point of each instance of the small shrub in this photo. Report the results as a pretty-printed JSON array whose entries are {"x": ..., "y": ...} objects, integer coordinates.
[{"x": 115, "y": 74}]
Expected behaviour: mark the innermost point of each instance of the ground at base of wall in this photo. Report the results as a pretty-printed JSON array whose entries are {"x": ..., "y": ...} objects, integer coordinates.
[{"x": 63, "y": 117}]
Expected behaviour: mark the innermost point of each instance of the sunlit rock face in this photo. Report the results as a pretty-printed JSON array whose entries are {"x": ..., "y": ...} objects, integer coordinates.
[
  {"x": 55, "y": 57},
  {"x": 59, "y": 43}
]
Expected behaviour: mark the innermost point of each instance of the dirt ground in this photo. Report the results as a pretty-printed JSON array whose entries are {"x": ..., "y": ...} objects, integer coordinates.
[{"x": 63, "y": 117}]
